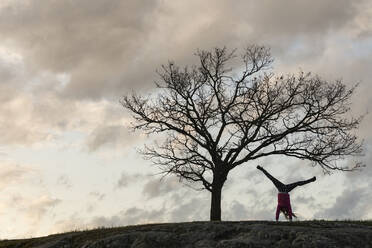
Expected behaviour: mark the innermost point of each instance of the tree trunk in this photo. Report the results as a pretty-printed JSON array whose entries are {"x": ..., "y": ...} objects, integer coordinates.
[{"x": 215, "y": 214}]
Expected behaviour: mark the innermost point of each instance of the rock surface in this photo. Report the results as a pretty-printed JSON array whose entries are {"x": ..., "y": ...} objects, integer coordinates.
[{"x": 212, "y": 234}]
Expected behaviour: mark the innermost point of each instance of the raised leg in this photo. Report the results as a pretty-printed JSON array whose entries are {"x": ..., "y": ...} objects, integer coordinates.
[
  {"x": 299, "y": 183},
  {"x": 278, "y": 184}
]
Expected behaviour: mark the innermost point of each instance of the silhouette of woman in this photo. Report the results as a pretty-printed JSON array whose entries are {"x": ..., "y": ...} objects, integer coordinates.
[{"x": 284, "y": 203}]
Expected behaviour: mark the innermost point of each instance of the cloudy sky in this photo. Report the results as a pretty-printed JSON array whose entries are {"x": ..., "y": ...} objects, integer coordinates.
[{"x": 67, "y": 155}]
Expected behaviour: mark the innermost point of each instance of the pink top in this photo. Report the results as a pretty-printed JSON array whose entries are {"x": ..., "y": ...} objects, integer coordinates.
[
  {"x": 283, "y": 200},
  {"x": 284, "y": 203}
]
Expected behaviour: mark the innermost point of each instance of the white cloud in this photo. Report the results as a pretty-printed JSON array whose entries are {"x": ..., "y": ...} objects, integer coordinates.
[
  {"x": 36, "y": 209},
  {"x": 12, "y": 173}
]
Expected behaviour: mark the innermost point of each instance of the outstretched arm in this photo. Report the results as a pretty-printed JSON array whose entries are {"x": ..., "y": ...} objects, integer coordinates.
[
  {"x": 278, "y": 184},
  {"x": 299, "y": 183}
]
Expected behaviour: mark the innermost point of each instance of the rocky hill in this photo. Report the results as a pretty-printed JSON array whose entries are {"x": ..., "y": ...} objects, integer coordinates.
[{"x": 212, "y": 234}]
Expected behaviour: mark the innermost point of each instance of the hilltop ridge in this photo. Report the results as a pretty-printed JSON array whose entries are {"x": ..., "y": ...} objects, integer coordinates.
[{"x": 212, "y": 234}]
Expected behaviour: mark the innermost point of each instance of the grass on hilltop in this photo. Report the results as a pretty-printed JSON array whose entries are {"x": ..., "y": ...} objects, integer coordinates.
[{"x": 82, "y": 236}]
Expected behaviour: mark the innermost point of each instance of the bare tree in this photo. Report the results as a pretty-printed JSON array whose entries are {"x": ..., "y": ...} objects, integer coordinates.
[{"x": 216, "y": 118}]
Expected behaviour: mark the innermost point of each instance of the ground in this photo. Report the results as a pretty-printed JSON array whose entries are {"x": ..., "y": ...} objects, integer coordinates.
[{"x": 212, "y": 234}]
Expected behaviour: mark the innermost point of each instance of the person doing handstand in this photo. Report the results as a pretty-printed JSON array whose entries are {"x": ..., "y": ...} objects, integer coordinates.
[{"x": 284, "y": 203}]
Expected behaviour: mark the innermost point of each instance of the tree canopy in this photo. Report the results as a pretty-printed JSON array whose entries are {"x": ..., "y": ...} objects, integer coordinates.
[{"x": 219, "y": 114}]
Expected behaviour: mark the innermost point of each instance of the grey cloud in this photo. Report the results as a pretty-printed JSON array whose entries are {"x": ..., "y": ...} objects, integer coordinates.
[
  {"x": 77, "y": 32},
  {"x": 363, "y": 176},
  {"x": 351, "y": 204},
  {"x": 64, "y": 181},
  {"x": 261, "y": 206},
  {"x": 127, "y": 179},
  {"x": 108, "y": 48},
  {"x": 355, "y": 200},
  {"x": 92, "y": 40},
  {"x": 73, "y": 223},
  {"x": 16, "y": 200},
  {"x": 8, "y": 72},
  {"x": 111, "y": 136},
  {"x": 99, "y": 196},
  {"x": 28, "y": 121},
  {"x": 137, "y": 215},
  {"x": 180, "y": 206},
  {"x": 123, "y": 180},
  {"x": 26, "y": 118},
  {"x": 363, "y": 22},
  {"x": 301, "y": 17},
  {"x": 160, "y": 187},
  {"x": 40, "y": 207},
  {"x": 238, "y": 211},
  {"x": 42, "y": 116},
  {"x": 36, "y": 208},
  {"x": 112, "y": 46},
  {"x": 21, "y": 135},
  {"x": 90, "y": 208},
  {"x": 255, "y": 176},
  {"x": 257, "y": 206},
  {"x": 263, "y": 214},
  {"x": 130, "y": 216},
  {"x": 16, "y": 127},
  {"x": 304, "y": 200},
  {"x": 102, "y": 221},
  {"x": 190, "y": 209}
]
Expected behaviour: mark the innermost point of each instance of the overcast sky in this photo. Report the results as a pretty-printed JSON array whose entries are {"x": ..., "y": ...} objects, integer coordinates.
[{"x": 67, "y": 156}]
